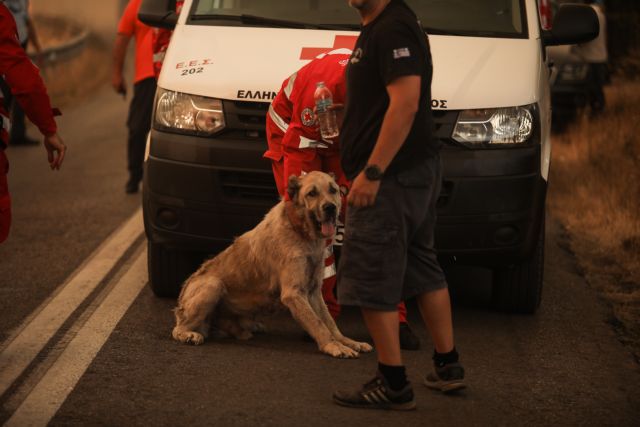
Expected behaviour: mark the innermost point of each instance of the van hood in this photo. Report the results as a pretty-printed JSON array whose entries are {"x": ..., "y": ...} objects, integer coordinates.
[{"x": 242, "y": 63}]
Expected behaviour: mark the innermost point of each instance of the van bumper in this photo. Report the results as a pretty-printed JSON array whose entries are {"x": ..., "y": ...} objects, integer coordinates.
[
  {"x": 199, "y": 194},
  {"x": 491, "y": 206}
]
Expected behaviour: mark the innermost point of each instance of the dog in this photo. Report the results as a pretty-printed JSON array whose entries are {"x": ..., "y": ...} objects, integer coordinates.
[{"x": 279, "y": 262}]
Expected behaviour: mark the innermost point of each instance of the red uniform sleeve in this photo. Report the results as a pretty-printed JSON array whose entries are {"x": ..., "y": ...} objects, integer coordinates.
[
  {"x": 23, "y": 77},
  {"x": 127, "y": 25}
]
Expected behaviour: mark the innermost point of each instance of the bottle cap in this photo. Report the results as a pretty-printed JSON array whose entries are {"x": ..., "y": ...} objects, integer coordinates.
[{"x": 319, "y": 84}]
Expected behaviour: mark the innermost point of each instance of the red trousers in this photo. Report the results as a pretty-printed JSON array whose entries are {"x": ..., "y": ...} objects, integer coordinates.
[
  {"x": 297, "y": 161},
  {"x": 5, "y": 199}
]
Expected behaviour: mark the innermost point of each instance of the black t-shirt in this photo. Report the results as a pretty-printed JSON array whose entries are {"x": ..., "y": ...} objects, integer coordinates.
[{"x": 392, "y": 46}]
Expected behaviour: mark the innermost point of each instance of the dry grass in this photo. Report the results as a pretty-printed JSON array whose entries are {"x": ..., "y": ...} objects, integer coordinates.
[{"x": 595, "y": 192}]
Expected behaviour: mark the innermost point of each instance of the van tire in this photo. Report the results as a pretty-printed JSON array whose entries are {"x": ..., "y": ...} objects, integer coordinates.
[
  {"x": 169, "y": 268},
  {"x": 517, "y": 288}
]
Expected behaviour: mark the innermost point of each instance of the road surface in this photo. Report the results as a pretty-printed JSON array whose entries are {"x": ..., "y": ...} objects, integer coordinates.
[{"x": 84, "y": 341}]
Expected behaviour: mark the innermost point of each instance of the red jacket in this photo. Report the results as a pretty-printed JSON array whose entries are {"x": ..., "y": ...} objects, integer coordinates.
[
  {"x": 278, "y": 119},
  {"x": 303, "y": 131},
  {"x": 290, "y": 121},
  {"x": 24, "y": 80}
]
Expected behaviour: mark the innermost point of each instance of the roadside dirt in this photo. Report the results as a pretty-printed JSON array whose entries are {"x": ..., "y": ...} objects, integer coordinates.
[{"x": 595, "y": 193}]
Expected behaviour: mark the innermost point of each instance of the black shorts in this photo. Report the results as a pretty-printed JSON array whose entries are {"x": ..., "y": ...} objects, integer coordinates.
[{"x": 388, "y": 254}]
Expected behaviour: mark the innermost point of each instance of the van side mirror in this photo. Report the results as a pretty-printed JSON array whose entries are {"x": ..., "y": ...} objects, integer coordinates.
[
  {"x": 158, "y": 13},
  {"x": 573, "y": 24}
]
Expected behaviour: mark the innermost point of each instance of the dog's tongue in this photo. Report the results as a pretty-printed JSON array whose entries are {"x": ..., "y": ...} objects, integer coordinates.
[{"x": 328, "y": 229}]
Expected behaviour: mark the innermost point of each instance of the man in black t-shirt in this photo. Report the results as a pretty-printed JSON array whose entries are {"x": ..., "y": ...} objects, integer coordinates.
[{"x": 389, "y": 153}]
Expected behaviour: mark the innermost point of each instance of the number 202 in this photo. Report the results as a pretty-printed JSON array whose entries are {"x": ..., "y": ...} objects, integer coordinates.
[{"x": 192, "y": 71}]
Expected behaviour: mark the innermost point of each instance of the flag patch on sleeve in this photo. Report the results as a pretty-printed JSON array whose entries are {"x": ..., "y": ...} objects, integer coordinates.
[{"x": 403, "y": 52}]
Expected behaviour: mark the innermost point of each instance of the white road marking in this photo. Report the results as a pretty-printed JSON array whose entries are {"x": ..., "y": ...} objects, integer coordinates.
[
  {"x": 43, "y": 324},
  {"x": 48, "y": 395}
]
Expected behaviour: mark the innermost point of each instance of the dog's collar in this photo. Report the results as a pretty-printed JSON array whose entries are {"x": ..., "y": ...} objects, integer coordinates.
[{"x": 296, "y": 222}]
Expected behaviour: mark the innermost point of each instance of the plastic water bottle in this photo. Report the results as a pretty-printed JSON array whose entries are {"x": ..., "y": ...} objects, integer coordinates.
[{"x": 326, "y": 116}]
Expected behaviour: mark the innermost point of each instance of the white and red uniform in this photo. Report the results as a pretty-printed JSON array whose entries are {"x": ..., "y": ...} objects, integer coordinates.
[
  {"x": 278, "y": 119},
  {"x": 27, "y": 87},
  {"x": 295, "y": 145}
]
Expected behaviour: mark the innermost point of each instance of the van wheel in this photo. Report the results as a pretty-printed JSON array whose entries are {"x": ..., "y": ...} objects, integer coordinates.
[
  {"x": 517, "y": 288},
  {"x": 169, "y": 268}
]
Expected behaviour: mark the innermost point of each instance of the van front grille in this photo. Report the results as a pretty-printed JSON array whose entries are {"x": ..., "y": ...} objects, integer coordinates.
[
  {"x": 249, "y": 185},
  {"x": 243, "y": 115}
]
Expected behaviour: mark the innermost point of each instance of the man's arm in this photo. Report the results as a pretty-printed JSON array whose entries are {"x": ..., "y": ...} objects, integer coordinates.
[
  {"x": 28, "y": 88},
  {"x": 119, "y": 54},
  {"x": 404, "y": 99}
]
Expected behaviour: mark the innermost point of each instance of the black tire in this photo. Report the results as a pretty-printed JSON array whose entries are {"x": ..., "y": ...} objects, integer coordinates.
[
  {"x": 169, "y": 268},
  {"x": 517, "y": 288}
]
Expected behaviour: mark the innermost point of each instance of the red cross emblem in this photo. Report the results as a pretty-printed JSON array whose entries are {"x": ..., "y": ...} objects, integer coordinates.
[
  {"x": 340, "y": 42},
  {"x": 307, "y": 116}
]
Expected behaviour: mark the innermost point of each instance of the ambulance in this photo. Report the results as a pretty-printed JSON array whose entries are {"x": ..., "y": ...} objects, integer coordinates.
[{"x": 206, "y": 180}]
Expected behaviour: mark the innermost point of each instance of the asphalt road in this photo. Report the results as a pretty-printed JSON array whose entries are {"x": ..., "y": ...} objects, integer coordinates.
[{"x": 563, "y": 366}]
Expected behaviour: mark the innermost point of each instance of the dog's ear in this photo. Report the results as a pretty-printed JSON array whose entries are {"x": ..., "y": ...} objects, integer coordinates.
[{"x": 293, "y": 187}]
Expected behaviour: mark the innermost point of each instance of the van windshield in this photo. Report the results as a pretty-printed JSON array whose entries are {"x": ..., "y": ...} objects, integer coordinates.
[{"x": 484, "y": 18}]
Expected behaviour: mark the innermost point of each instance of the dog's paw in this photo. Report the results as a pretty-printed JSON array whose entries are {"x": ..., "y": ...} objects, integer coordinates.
[
  {"x": 188, "y": 337},
  {"x": 339, "y": 350},
  {"x": 360, "y": 347}
]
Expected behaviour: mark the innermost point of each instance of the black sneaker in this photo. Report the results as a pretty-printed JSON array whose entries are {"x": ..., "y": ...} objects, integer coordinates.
[
  {"x": 408, "y": 340},
  {"x": 376, "y": 394},
  {"x": 447, "y": 379}
]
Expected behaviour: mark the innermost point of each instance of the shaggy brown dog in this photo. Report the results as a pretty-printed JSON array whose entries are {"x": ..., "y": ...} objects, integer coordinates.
[{"x": 280, "y": 261}]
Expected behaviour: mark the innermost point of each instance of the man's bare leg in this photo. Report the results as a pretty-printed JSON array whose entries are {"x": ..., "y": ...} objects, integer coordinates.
[
  {"x": 383, "y": 327},
  {"x": 448, "y": 374},
  {"x": 435, "y": 308}
]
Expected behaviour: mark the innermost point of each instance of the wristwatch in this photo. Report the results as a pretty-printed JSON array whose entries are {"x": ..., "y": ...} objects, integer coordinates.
[{"x": 373, "y": 172}]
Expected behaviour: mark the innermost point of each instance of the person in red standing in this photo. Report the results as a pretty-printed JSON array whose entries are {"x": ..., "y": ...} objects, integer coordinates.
[
  {"x": 160, "y": 42},
  {"x": 144, "y": 87},
  {"x": 295, "y": 146},
  {"x": 26, "y": 85}
]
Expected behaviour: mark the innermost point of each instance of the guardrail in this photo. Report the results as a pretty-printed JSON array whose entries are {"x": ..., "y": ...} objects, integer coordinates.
[{"x": 66, "y": 51}]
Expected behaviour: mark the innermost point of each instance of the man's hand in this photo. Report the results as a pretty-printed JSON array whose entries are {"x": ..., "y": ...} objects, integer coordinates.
[
  {"x": 118, "y": 84},
  {"x": 119, "y": 53},
  {"x": 363, "y": 192},
  {"x": 55, "y": 150}
]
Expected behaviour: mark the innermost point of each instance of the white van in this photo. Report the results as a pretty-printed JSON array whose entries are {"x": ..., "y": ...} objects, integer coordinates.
[{"x": 205, "y": 178}]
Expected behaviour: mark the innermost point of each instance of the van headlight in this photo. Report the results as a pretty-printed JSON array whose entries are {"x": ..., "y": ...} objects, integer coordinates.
[
  {"x": 510, "y": 125},
  {"x": 186, "y": 113}
]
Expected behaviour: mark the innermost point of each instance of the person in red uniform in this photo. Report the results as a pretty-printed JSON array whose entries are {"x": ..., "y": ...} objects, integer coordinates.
[
  {"x": 27, "y": 87},
  {"x": 144, "y": 87},
  {"x": 295, "y": 147},
  {"x": 160, "y": 43}
]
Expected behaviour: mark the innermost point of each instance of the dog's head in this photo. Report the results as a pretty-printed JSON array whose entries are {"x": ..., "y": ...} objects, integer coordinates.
[{"x": 316, "y": 199}]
